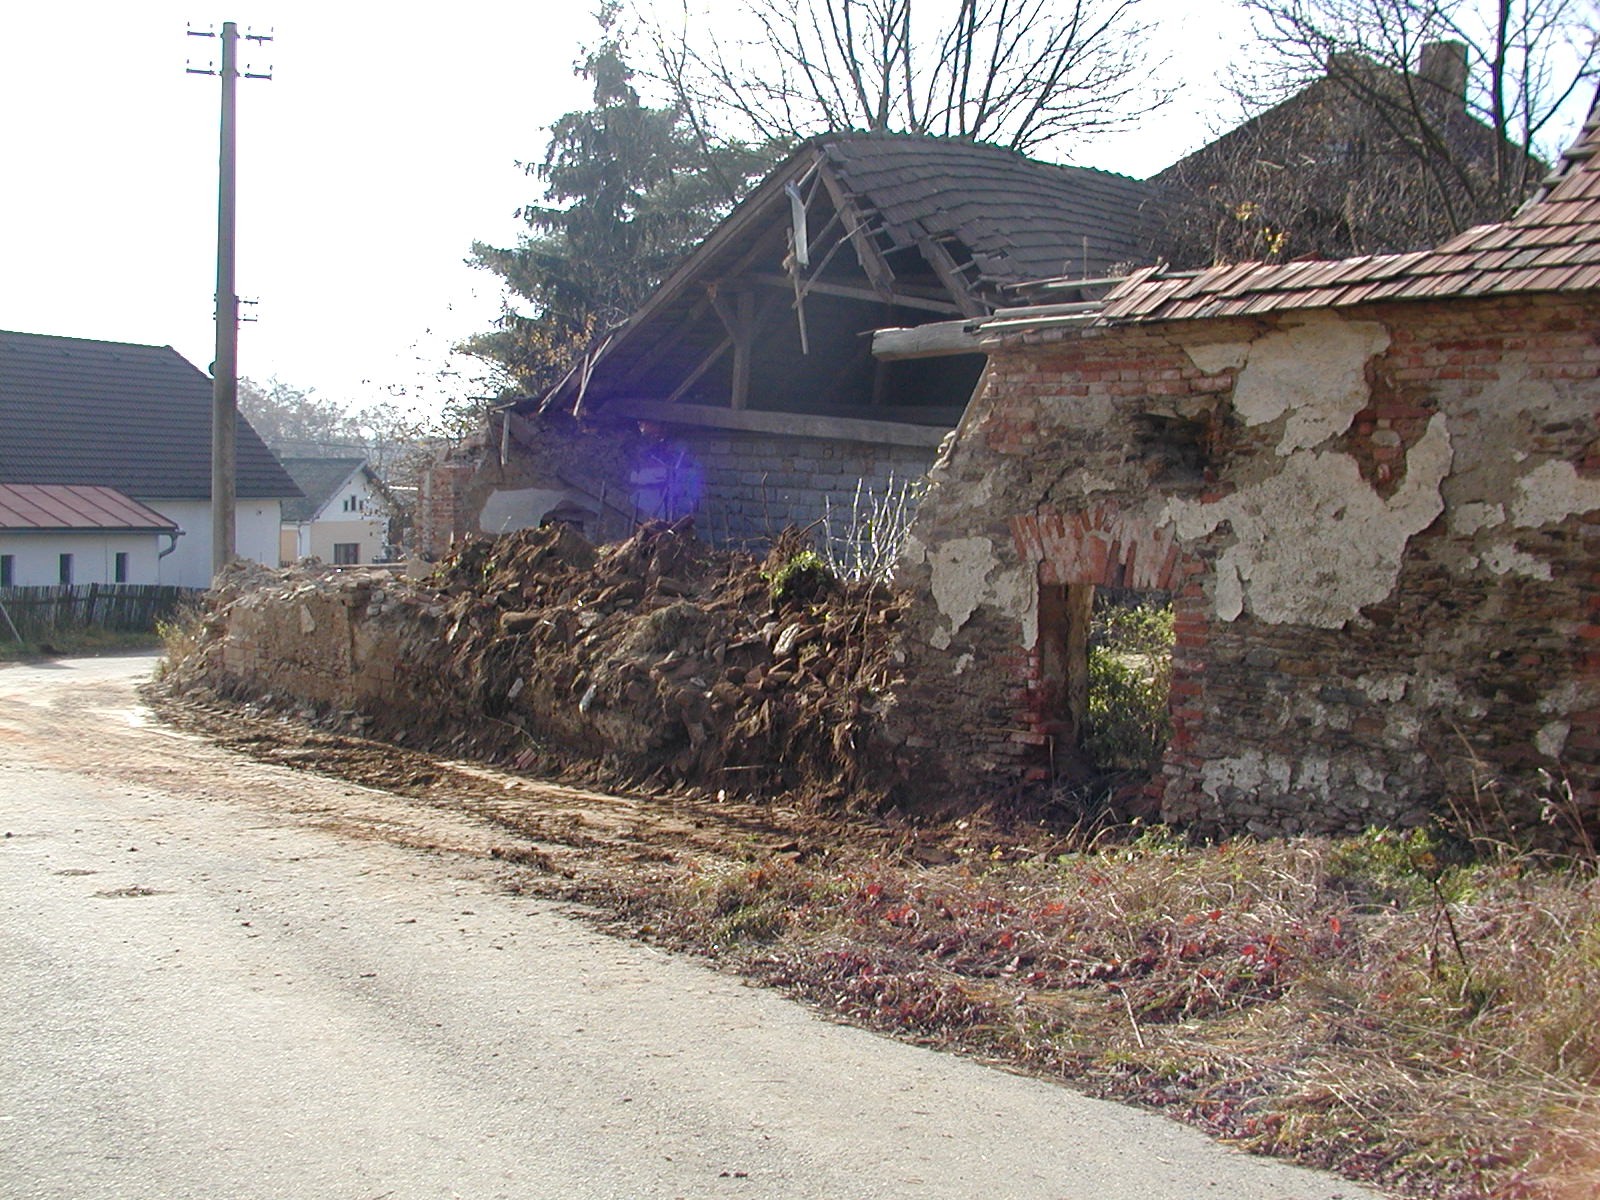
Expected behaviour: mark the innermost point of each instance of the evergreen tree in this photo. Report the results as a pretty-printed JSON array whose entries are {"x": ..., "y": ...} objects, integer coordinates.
[{"x": 629, "y": 190}]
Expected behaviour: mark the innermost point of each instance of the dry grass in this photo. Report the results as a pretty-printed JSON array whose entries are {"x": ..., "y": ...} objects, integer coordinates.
[
  {"x": 1376, "y": 1005},
  {"x": 86, "y": 640}
]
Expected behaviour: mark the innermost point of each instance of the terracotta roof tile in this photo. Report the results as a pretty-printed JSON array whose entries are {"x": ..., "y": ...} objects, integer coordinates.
[{"x": 1551, "y": 244}]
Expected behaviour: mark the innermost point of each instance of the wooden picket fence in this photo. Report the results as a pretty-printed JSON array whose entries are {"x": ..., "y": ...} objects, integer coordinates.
[{"x": 35, "y": 611}]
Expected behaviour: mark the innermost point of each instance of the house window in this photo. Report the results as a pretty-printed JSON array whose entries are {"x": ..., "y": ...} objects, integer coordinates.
[
  {"x": 66, "y": 570},
  {"x": 119, "y": 569},
  {"x": 346, "y": 553},
  {"x": 350, "y": 504},
  {"x": 8, "y": 567}
]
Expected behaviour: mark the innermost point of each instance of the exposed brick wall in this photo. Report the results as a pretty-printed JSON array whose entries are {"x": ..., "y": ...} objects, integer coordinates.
[
  {"x": 1387, "y": 589},
  {"x": 442, "y": 516}
]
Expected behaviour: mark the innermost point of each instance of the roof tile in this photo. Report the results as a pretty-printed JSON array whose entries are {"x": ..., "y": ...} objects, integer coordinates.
[
  {"x": 1552, "y": 244},
  {"x": 69, "y": 506}
]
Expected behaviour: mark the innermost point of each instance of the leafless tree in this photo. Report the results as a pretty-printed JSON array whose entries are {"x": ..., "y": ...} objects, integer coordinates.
[
  {"x": 1377, "y": 126},
  {"x": 1420, "y": 66},
  {"x": 1018, "y": 73}
]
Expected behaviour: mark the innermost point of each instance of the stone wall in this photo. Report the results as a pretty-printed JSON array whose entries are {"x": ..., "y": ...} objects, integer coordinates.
[
  {"x": 742, "y": 488},
  {"x": 351, "y": 641},
  {"x": 1381, "y": 529},
  {"x": 754, "y": 485}
]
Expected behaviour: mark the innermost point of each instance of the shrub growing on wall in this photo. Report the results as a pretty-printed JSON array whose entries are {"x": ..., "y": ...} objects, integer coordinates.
[{"x": 1130, "y": 673}]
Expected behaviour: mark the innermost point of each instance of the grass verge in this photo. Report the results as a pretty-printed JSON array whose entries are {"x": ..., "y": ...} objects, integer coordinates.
[{"x": 1383, "y": 1006}]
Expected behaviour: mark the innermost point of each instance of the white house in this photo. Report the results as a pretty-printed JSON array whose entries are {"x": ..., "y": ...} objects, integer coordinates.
[
  {"x": 72, "y": 534},
  {"x": 135, "y": 419},
  {"x": 343, "y": 518}
]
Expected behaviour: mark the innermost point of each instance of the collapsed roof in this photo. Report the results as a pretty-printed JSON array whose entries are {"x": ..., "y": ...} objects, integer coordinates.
[{"x": 850, "y": 233}]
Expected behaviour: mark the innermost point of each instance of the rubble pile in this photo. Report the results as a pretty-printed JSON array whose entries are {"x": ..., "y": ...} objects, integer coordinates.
[
  {"x": 656, "y": 660},
  {"x": 670, "y": 662}
]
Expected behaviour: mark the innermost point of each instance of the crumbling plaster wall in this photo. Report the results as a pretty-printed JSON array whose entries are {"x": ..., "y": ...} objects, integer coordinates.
[{"x": 1380, "y": 529}]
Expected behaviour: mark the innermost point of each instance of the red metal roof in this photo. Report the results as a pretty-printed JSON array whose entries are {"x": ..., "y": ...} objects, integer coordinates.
[
  {"x": 1551, "y": 245},
  {"x": 72, "y": 506}
]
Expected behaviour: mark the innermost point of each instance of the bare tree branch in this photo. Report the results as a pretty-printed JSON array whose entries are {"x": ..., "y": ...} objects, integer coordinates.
[
  {"x": 1020, "y": 73},
  {"x": 1523, "y": 61}
]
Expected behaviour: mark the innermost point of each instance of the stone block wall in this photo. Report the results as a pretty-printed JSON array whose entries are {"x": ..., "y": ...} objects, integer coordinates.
[
  {"x": 1380, "y": 528},
  {"x": 741, "y": 488},
  {"x": 353, "y": 642},
  {"x": 757, "y": 484}
]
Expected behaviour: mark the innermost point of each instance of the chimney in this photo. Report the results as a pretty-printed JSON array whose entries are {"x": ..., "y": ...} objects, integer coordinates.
[{"x": 1444, "y": 65}]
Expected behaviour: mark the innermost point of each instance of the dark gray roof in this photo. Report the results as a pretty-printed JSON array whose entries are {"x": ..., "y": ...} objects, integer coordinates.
[
  {"x": 1018, "y": 219},
  {"x": 318, "y": 478},
  {"x": 939, "y": 221},
  {"x": 134, "y": 418}
]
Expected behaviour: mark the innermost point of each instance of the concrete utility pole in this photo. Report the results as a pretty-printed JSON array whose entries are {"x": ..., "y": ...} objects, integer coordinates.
[{"x": 225, "y": 370}]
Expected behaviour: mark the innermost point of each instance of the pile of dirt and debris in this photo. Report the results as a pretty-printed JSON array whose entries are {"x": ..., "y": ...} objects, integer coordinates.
[
  {"x": 672, "y": 662},
  {"x": 653, "y": 660}
]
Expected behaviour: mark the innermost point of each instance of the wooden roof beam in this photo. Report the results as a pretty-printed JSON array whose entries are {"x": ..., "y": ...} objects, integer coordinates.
[
  {"x": 945, "y": 267},
  {"x": 665, "y": 343},
  {"x": 898, "y": 298},
  {"x": 705, "y": 365},
  {"x": 926, "y": 341},
  {"x": 877, "y": 268}
]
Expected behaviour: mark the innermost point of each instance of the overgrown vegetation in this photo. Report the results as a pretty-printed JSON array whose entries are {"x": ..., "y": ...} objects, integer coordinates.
[
  {"x": 801, "y": 576},
  {"x": 1393, "y": 1006},
  {"x": 1130, "y": 676}
]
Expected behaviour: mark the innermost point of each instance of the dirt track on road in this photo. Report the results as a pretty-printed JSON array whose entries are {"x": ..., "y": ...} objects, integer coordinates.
[{"x": 215, "y": 988}]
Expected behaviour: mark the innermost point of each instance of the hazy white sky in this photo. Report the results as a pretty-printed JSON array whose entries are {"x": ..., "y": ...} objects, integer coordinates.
[{"x": 385, "y": 143}]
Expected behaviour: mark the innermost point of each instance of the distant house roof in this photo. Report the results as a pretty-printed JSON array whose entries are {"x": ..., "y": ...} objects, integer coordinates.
[
  {"x": 28, "y": 506},
  {"x": 318, "y": 479},
  {"x": 1551, "y": 245},
  {"x": 134, "y": 418},
  {"x": 1341, "y": 167}
]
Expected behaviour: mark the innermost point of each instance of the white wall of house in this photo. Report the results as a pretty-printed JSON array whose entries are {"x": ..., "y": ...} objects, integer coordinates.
[
  {"x": 353, "y": 516},
  {"x": 36, "y": 557},
  {"x": 256, "y": 525}
]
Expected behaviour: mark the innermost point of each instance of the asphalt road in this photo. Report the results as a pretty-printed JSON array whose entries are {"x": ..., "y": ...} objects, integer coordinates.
[{"x": 215, "y": 982}]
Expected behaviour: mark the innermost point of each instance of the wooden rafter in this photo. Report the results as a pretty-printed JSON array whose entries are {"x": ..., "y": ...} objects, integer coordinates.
[
  {"x": 705, "y": 365},
  {"x": 899, "y": 298},
  {"x": 665, "y": 343},
  {"x": 877, "y": 268},
  {"x": 949, "y": 273}
]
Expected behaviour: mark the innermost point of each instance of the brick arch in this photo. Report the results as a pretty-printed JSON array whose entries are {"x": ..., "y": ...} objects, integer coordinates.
[
  {"x": 1099, "y": 544},
  {"x": 1104, "y": 546}
]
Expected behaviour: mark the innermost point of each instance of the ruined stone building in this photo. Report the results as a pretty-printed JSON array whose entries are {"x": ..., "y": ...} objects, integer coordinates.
[
  {"x": 744, "y": 391},
  {"x": 1371, "y": 487},
  {"x": 750, "y": 370}
]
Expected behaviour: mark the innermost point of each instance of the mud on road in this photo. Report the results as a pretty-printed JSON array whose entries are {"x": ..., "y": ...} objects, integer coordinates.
[{"x": 572, "y": 843}]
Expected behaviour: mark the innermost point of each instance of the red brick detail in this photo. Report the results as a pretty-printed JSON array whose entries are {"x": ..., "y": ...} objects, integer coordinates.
[{"x": 1099, "y": 545}]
